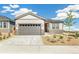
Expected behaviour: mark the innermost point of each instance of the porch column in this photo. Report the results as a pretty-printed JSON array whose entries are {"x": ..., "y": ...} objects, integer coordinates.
[
  {"x": 61, "y": 26},
  {"x": 8, "y": 24},
  {"x": 2, "y": 24},
  {"x": 50, "y": 27}
]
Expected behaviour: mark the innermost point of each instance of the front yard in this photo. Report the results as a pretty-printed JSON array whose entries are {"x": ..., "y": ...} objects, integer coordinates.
[{"x": 61, "y": 39}]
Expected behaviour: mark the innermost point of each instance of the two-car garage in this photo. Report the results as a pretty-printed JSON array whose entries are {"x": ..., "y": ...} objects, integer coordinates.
[
  {"x": 29, "y": 29},
  {"x": 29, "y": 24}
]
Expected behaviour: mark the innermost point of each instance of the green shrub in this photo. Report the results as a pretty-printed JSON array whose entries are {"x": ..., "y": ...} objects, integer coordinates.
[
  {"x": 72, "y": 35},
  {"x": 76, "y": 35},
  {"x": 61, "y": 37},
  {"x": 4, "y": 37},
  {"x": 54, "y": 36},
  {"x": 0, "y": 38},
  {"x": 0, "y": 33}
]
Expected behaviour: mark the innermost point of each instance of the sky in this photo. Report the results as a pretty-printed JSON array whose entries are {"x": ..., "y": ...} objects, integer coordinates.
[
  {"x": 44, "y": 10},
  {"x": 48, "y": 11}
]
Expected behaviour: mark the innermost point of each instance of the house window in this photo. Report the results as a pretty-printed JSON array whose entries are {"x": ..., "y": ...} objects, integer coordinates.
[
  {"x": 0, "y": 24},
  {"x": 55, "y": 26},
  {"x": 5, "y": 24}
]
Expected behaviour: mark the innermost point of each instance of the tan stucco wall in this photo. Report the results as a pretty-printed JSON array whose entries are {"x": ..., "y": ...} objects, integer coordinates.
[
  {"x": 56, "y": 31},
  {"x": 60, "y": 26}
]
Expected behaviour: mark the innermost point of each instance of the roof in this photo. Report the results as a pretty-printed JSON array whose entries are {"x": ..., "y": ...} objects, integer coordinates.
[
  {"x": 47, "y": 20},
  {"x": 55, "y": 21},
  {"x": 29, "y": 13},
  {"x": 4, "y": 18}
]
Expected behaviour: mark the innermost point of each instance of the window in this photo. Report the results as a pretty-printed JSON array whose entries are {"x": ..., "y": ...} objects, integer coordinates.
[
  {"x": 55, "y": 26},
  {"x": 5, "y": 24},
  {"x": 0, "y": 24}
]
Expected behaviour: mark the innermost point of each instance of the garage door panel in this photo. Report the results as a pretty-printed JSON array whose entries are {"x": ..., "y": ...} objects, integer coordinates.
[{"x": 30, "y": 29}]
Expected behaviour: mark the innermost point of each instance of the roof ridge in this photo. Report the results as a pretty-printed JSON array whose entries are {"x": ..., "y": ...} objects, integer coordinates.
[{"x": 29, "y": 13}]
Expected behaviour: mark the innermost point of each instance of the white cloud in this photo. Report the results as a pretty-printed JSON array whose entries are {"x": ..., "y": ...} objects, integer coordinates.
[
  {"x": 22, "y": 11},
  {"x": 14, "y": 6},
  {"x": 9, "y": 8},
  {"x": 6, "y": 9},
  {"x": 68, "y": 8},
  {"x": 64, "y": 15},
  {"x": 61, "y": 14}
]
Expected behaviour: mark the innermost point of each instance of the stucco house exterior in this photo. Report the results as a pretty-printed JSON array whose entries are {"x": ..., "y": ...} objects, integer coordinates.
[
  {"x": 6, "y": 24},
  {"x": 32, "y": 24}
]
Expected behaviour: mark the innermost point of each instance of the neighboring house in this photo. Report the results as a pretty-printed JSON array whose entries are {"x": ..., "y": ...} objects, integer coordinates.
[
  {"x": 6, "y": 24},
  {"x": 31, "y": 24}
]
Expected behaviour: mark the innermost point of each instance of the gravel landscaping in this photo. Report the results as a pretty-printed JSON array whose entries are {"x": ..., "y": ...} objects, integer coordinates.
[{"x": 60, "y": 40}]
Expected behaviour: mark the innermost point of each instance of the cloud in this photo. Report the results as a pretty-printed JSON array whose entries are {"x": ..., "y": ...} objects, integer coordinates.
[
  {"x": 68, "y": 8},
  {"x": 12, "y": 9},
  {"x": 22, "y": 11},
  {"x": 60, "y": 16},
  {"x": 9, "y": 8},
  {"x": 14, "y": 6},
  {"x": 6, "y": 9},
  {"x": 61, "y": 13}
]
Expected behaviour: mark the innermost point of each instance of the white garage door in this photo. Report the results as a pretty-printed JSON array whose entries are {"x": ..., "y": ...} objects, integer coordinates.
[{"x": 29, "y": 29}]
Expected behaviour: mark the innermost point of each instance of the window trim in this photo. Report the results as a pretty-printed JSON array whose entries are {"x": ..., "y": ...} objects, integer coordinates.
[
  {"x": 6, "y": 23},
  {"x": 55, "y": 26}
]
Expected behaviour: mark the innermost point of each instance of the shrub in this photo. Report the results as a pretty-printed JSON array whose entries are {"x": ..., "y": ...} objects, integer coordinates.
[
  {"x": 61, "y": 37},
  {"x": 72, "y": 35},
  {"x": 0, "y": 38},
  {"x": 4, "y": 37},
  {"x": 54, "y": 36},
  {"x": 0, "y": 33},
  {"x": 76, "y": 35}
]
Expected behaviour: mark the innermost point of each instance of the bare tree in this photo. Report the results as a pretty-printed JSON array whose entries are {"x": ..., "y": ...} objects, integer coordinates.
[{"x": 69, "y": 21}]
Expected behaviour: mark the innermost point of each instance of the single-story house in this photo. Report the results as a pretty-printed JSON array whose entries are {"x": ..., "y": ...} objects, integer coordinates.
[
  {"x": 32, "y": 24},
  {"x": 6, "y": 24}
]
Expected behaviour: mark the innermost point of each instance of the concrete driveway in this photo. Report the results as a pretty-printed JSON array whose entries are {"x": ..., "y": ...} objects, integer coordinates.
[
  {"x": 32, "y": 44},
  {"x": 24, "y": 40}
]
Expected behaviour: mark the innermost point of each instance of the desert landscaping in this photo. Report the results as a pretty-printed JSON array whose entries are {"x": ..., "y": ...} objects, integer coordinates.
[{"x": 61, "y": 39}]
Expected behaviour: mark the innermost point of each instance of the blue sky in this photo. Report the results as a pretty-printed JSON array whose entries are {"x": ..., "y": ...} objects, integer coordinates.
[{"x": 45, "y": 10}]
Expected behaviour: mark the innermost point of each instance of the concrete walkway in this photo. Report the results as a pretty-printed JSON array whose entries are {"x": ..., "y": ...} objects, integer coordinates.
[{"x": 33, "y": 44}]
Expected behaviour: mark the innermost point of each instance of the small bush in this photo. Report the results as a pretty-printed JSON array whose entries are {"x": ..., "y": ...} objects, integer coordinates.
[
  {"x": 0, "y": 38},
  {"x": 76, "y": 35},
  {"x": 61, "y": 37},
  {"x": 54, "y": 36},
  {"x": 72, "y": 35},
  {"x": 0, "y": 33},
  {"x": 4, "y": 37}
]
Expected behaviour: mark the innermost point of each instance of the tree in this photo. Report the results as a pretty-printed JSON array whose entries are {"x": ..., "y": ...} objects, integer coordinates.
[{"x": 69, "y": 21}]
